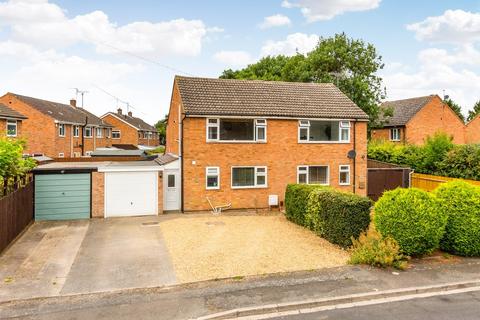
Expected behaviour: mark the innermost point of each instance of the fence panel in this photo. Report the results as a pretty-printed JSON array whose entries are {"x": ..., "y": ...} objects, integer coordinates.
[
  {"x": 16, "y": 212},
  {"x": 429, "y": 183}
]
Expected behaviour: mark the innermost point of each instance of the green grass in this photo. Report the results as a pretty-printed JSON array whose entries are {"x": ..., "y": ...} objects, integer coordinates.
[{"x": 158, "y": 150}]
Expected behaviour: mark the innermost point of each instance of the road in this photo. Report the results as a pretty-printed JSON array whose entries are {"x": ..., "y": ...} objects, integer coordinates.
[{"x": 464, "y": 306}]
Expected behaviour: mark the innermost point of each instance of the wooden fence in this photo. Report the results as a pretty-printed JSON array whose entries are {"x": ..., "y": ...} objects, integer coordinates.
[
  {"x": 16, "y": 213},
  {"x": 428, "y": 182}
]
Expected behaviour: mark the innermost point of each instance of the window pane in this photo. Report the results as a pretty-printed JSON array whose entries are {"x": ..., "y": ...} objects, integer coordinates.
[
  {"x": 303, "y": 134},
  {"x": 236, "y": 129},
  {"x": 324, "y": 130},
  {"x": 171, "y": 181},
  {"x": 260, "y": 133},
  {"x": 212, "y": 181},
  {"x": 261, "y": 180},
  {"x": 317, "y": 175},
  {"x": 242, "y": 177},
  {"x": 302, "y": 178},
  {"x": 345, "y": 134},
  {"x": 212, "y": 133},
  {"x": 344, "y": 177}
]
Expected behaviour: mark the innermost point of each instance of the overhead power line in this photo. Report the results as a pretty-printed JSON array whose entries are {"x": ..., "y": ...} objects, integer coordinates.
[{"x": 118, "y": 100}]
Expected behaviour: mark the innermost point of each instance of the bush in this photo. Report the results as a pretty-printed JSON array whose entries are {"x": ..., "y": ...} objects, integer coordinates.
[
  {"x": 460, "y": 201},
  {"x": 296, "y": 198},
  {"x": 374, "y": 250},
  {"x": 337, "y": 216},
  {"x": 411, "y": 217},
  {"x": 462, "y": 162}
]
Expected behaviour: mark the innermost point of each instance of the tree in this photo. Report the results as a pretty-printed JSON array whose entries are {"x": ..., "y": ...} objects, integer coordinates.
[
  {"x": 161, "y": 126},
  {"x": 455, "y": 108},
  {"x": 350, "y": 64},
  {"x": 473, "y": 113},
  {"x": 12, "y": 163}
]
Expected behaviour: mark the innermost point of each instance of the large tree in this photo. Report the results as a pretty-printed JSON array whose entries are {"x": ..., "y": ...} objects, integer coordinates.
[
  {"x": 161, "y": 126},
  {"x": 474, "y": 112},
  {"x": 455, "y": 107},
  {"x": 351, "y": 64}
]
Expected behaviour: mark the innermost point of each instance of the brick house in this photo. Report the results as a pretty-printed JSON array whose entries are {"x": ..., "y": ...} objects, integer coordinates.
[
  {"x": 10, "y": 122},
  {"x": 57, "y": 130},
  {"x": 416, "y": 118},
  {"x": 472, "y": 130},
  {"x": 241, "y": 142},
  {"x": 129, "y": 131}
]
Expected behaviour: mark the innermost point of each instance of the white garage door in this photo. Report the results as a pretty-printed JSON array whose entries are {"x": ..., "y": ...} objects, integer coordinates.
[{"x": 131, "y": 194}]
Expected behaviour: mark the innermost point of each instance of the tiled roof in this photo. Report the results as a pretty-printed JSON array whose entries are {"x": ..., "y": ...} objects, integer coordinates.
[
  {"x": 6, "y": 112},
  {"x": 62, "y": 112},
  {"x": 134, "y": 121},
  {"x": 166, "y": 158},
  {"x": 404, "y": 110},
  {"x": 205, "y": 96}
]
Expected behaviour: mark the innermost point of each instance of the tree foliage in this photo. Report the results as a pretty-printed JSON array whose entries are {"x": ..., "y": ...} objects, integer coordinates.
[
  {"x": 351, "y": 64},
  {"x": 455, "y": 108},
  {"x": 12, "y": 163},
  {"x": 161, "y": 126},
  {"x": 474, "y": 112}
]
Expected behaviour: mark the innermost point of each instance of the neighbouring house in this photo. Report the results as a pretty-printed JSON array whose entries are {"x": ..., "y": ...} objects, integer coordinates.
[
  {"x": 131, "y": 131},
  {"x": 241, "y": 142},
  {"x": 415, "y": 119},
  {"x": 472, "y": 130},
  {"x": 57, "y": 130},
  {"x": 10, "y": 122}
]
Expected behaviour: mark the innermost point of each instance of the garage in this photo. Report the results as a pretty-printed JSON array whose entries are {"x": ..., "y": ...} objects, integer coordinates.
[
  {"x": 62, "y": 196},
  {"x": 131, "y": 193}
]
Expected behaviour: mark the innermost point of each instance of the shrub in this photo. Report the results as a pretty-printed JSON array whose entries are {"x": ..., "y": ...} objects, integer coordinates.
[
  {"x": 410, "y": 216},
  {"x": 462, "y": 162},
  {"x": 296, "y": 197},
  {"x": 337, "y": 216},
  {"x": 374, "y": 250},
  {"x": 460, "y": 201}
]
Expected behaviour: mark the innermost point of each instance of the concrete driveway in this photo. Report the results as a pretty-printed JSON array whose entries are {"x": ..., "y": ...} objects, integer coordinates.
[{"x": 70, "y": 257}]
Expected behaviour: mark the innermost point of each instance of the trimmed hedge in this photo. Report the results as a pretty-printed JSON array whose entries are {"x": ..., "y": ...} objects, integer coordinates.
[
  {"x": 337, "y": 216},
  {"x": 296, "y": 198},
  {"x": 334, "y": 215},
  {"x": 411, "y": 217},
  {"x": 460, "y": 201}
]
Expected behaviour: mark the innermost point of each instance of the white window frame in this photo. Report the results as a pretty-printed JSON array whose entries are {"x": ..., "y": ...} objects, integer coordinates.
[
  {"x": 61, "y": 127},
  {"x": 76, "y": 131},
  {"x": 257, "y": 123},
  {"x": 395, "y": 134},
  {"x": 12, "y": 122},
  {"x": 61, "y": 155},
  {"x": 119, "y": 134},
  {"x": 108, "y": 132},
  {"x": 300, "y": 170},
  {"x": 256, "y": 174},
  {"x": 76, "y": 154},
  {"x": 216, "y": 174},
  {"x": 213, "y": 125},
  {"x": 260, "y": 124},
  {"x": 97, "y": 131},
  {"x": 343, "y": 125},
  {"x": 85, "y": 132},
  {"x": 344, "y": 168},
  {"x": 88, "y": 153}
]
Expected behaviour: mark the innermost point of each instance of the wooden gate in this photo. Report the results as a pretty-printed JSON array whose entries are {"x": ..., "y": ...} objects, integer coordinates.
[{"x": 385, "y": 176}]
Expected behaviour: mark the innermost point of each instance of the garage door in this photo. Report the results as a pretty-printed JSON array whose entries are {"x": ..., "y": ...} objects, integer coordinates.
[
  {"x": 62, "y": 196},
  {"x": 131, "y": 194}
]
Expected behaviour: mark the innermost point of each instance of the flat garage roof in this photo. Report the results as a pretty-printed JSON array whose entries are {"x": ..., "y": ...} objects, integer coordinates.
[{"x": 103, "y": 166}]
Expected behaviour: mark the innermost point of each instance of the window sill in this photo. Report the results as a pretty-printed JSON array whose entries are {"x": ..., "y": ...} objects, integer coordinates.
[
  {"x": 250, "y": 187},
  {"x": 344, "y": 184},
  {"x": 209, "y": 189},
  {"x": 323, "y": 142},
  {"x": 236, "y": 141}
]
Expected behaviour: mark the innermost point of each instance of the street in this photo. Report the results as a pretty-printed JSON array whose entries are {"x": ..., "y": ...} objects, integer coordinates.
[{"x": 465, "y": 306}]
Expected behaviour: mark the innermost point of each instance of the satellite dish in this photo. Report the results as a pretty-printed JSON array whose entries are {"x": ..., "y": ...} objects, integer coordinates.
[{"x": 351, "y": 154}]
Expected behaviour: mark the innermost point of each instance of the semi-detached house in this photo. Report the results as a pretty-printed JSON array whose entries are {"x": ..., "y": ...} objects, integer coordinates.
[
  {"x": 54, "y": 129},
  {"x": 241, "y": 142}
]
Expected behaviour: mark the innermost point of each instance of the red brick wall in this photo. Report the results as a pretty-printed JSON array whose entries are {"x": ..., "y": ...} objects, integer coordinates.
[
  {"x": 472, "y": 134},
  {"x": 3, "y": 129},
  {"x": 98, "y": 194},
  {"x": 128, "y": 134},
  {"x": 281, "y": 154},
  {"x": 384, "y": 134},
  {"x": 172, "y": 132}
]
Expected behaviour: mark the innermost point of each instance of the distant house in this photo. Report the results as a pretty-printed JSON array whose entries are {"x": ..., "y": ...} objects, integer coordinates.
[
  {"x": 10, "y": 122},
  {"x": 472, "y": 130},
  {"x": 53, "y": 129},
  {"x": 414, "y": 119},
  {"x": 131, "y": 131}
]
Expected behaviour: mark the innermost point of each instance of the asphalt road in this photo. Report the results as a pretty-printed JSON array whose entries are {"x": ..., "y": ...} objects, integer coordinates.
[{"x": 464, "y": 306}]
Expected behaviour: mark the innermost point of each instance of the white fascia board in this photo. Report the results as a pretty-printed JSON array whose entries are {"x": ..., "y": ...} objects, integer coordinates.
[{"x": 130, "y": 169}]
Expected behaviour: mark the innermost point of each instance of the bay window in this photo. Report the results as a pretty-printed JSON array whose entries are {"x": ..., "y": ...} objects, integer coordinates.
[
  {"x": 236, "y": 129},
  {"x": 323, "y": 131},
  {"x": 313, "y": 175},
  {"x": 249, "y": 177}
]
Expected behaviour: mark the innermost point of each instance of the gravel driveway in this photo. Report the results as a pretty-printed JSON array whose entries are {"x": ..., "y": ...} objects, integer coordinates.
[{"x": 203, "y": 246}]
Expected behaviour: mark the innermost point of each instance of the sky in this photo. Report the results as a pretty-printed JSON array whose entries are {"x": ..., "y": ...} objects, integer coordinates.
[{"x": 126, "y": 53}]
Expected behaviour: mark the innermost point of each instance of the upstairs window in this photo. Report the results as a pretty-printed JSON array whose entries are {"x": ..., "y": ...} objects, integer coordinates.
[
  {"x": 88, "y": 132},
  {"x": 242, "y": 130},
  {"x": 11, "y": 128},
  {"x": 76, "y": 131},
  {"x": 61, "y": 130},
  {"x": 395, "y": 134},
  {"x": 323, "y": 131},
  {"x": 99, "y": 133}
]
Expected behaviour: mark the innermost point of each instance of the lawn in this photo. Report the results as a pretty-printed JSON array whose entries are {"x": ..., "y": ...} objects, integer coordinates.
[{"x": 203, "y": 246}]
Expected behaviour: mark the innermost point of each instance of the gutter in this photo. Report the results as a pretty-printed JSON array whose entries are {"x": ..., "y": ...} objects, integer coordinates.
[
  {"x": 182, "y": 200},
  {"x": 83, "y": 136},
  {"x": 354, "y": 158}
]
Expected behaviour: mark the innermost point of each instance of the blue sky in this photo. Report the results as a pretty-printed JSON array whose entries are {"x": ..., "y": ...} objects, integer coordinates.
[{"x": 49, "y": 47}]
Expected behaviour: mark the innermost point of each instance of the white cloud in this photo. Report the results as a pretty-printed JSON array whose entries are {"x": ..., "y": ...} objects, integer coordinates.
[
  {"x": 46, "y": 25},
  {"x": 454, "y": 26},
  {"x": 315, "y": 10},
  {"x": 297, "y": 42},
  {"x": 277, "y": 20},
  {"x": 233, "y": 58}
]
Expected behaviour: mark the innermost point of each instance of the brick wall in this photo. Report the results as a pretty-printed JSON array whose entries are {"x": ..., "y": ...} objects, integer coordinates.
[
  {"x": 472, "y": 131},
  {"x": 172, "y": 133},
  {"x": 3, "y": 128},
  {"x": 281, "y": 154},
  {"x": 128, "y": 134},
  {"x": 98, "y": 196},
  {"x": 384, "y": 134}
]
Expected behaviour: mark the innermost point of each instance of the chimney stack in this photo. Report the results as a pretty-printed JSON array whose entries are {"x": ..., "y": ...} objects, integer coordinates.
[
  {"x": 119, "y": 111},
  {"x": 130, "y": 113},
  {"x": 73, "y": 102}
]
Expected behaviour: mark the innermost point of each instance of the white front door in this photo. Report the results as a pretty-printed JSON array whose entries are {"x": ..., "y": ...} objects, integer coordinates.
[
  {"x": 131, "y": 193},
  {"x": 171, "y": 187}
]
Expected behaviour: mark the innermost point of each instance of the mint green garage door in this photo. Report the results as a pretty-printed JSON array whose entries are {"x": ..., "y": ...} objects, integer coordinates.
[{"x": 62, "y": 196}]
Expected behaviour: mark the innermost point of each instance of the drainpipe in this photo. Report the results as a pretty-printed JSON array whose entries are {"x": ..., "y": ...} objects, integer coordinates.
[
  {"x": 354, "y": 158},
  {"x": 181, "y": 163},
  {"x": 83, "y": 136}
]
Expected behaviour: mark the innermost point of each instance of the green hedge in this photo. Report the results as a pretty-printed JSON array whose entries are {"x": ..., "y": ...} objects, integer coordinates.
[
  {"x": 337, "y": 216},
  {"x": 412, "y": 218},
  {"x": 296, "y": 198},
  {"x": 460, "y": 201}
]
